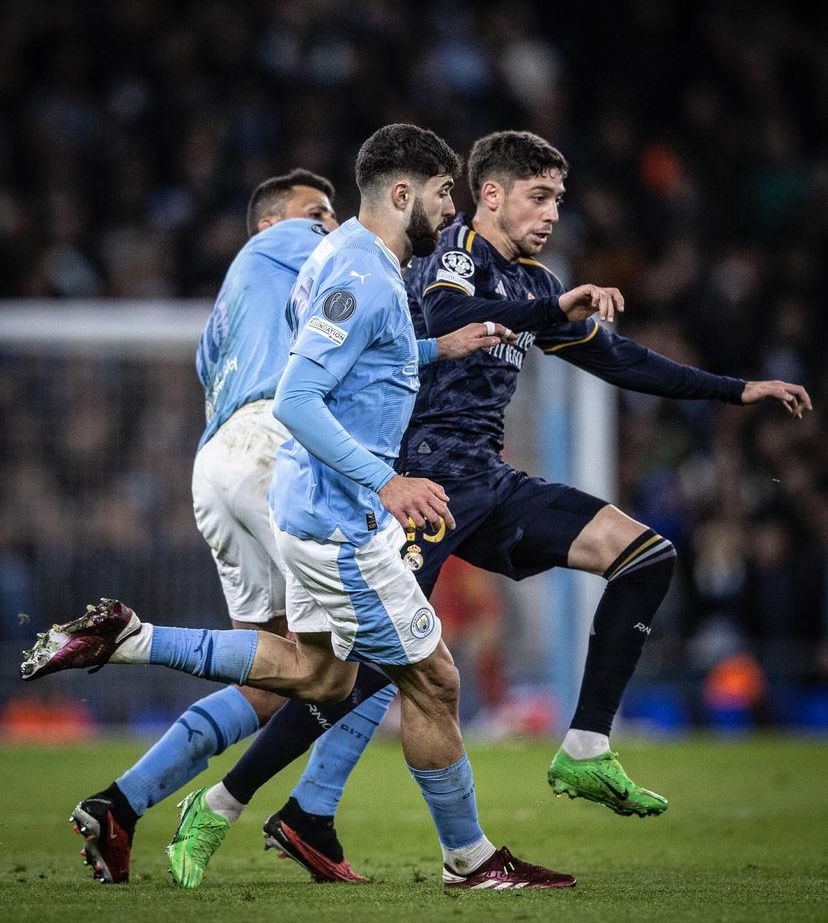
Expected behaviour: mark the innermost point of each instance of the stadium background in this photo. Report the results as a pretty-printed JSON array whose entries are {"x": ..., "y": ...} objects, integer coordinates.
[{"x": 132, "y": 136}]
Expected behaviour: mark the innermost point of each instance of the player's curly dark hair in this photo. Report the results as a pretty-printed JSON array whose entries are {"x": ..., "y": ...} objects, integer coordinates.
[
  {"x": 511, "y": 155},
  {"x": 403, "y": 149},
  {"x": 268, "y": 198}
]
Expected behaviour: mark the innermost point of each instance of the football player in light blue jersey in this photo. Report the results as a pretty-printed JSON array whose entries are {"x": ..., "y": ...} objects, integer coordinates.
[
  {"x": 339, "y": 509},
  {"x": 240, "y": 357},
  {"x": 354, "y": 331}
]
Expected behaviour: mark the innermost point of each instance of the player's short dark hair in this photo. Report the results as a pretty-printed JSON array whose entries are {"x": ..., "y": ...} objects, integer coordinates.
[
  {"x": 402, "y": 149},
  {"x": 511, "y": 155},
  {"x": 269, "y": 197}
]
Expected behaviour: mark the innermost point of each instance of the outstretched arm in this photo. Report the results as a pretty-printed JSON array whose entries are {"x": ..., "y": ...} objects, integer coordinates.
[
  {"x": 627, "y": 364},
  {"x": 446, "y": 308}
]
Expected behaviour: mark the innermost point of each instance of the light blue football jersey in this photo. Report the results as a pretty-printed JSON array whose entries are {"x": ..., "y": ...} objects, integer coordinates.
[
  {"x": 350, "y": 313},
  {"x": 244, "y": 346}
]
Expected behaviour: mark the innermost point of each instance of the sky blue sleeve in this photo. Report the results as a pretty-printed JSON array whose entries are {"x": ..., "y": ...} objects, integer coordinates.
[
  {"x": 300, "y": 405},
  {"x": 426, "y": 351}
]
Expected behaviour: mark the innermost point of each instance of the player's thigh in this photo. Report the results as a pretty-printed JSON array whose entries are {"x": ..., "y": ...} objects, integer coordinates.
[
  {"x": 432, "y": 684},
  {"x": 533, "y": 530}
]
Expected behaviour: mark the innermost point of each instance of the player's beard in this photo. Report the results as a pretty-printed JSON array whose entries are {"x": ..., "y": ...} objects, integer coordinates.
[{"x": 422, "y": 236}]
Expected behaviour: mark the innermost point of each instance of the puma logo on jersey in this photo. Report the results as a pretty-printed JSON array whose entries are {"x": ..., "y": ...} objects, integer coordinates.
[{"x": 360, "y": 276}]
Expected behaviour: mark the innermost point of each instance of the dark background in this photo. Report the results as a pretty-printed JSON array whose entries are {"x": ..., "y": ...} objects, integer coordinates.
[{"x": 133, "y": 133}]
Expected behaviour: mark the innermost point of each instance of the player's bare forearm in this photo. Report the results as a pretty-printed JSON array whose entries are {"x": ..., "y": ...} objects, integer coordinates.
[
  {"x": 417, "y": 499},
  {"x": 471, "y": 338},
  {"x": 794, "y": 398},
  {"x": 585, "y": 300}
]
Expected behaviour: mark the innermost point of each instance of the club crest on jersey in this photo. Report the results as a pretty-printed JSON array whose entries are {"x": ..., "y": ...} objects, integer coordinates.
[
  {"x": 339, "y": 305},
  {"x": 413, "y": 558},
  {"x": 459, "y": 263},
  {"x": 330, "y": 331},
  {"x": 423, "y": 623}
]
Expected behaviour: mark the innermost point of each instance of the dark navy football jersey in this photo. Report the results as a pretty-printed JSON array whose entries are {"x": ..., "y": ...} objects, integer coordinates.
[{"x": 457, "y": 427}]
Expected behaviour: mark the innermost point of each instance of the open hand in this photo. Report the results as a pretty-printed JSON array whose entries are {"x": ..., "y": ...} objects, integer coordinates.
[{"x": 794, "y": 398}]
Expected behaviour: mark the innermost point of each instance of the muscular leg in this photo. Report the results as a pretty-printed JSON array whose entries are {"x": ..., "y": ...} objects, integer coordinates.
[
  {"x": 429, "y": 718},
  {"x": 304, "y": 669},
  {"x": 435, "y": 754},
  {"x": 638, "y": 566},
  {"x": 207, "y": 728},
  {"x": 264, "y": 703}
]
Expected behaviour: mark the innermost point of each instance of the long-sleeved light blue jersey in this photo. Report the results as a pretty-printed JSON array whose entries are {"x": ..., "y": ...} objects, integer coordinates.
[
  {"x": 244, "y": 346},
  {"x": 350, "y": 313}
]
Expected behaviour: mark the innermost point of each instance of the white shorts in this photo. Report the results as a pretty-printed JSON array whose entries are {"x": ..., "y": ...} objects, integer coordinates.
[
  {"x": 231, "y": 475},
  {"x": 366, "y": 597}
]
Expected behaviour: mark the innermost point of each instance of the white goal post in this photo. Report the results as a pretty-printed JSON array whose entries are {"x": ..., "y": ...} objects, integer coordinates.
[{"x": 114, "y": 326}]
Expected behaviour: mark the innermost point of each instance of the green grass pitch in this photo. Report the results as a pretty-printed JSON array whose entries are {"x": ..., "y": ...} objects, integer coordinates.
[{"x": 745, "y": 839}]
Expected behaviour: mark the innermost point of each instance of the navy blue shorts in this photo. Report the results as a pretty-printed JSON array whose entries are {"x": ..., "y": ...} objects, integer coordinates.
[{"x": 507, "y": 523}]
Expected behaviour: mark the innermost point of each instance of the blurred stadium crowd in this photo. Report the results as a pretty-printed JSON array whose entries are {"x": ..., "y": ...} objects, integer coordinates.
[{"x": 697, "y": 138}]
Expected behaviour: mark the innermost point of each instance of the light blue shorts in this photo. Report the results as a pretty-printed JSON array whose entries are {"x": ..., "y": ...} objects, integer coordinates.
[{"x": 365, "y": 596}]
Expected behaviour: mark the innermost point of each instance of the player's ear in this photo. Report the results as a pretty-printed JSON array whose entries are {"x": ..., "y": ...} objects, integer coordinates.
[
  {"x": 402, "y": 195},
  {"x": 266, "y": 222},
  {"x": 491, "y": 194}
]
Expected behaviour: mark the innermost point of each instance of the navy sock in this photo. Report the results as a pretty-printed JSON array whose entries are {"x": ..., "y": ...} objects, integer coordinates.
[
  {"x": 637, "y": 582},
  {"x": 290, "y": 732}
]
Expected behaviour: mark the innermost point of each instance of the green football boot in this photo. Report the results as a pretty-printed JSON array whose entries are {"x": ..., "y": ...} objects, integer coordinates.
[
  {"x": 200, "y": 833},
  {"x": 602, "y": 779}
]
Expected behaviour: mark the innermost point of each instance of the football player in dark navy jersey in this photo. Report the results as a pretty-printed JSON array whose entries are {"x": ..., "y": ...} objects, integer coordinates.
[{"x": 506, "y": 521}]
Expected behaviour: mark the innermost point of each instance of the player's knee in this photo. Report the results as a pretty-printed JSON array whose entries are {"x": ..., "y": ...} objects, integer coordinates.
[
  {"x": 264, "y": 703},
  {"x": 443, "y": 684},
  {"x": 330, "y": 688}
]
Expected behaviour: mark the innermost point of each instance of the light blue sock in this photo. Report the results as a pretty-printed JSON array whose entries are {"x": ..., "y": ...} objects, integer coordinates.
[
  {"x": 337, "y": 751},
  {"x": 207, "y": 728},
  {"x": 449, "y": 794},
  {"x": 219, "y": 654}
]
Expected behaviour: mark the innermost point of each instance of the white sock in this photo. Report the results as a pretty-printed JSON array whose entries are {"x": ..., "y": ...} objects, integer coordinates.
[
  {"x": 465, "y": 860},
  {"x": 219, "y": 800},
  {"x": 583, "y": 745},
  {"x": 136, "y": 648}
]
